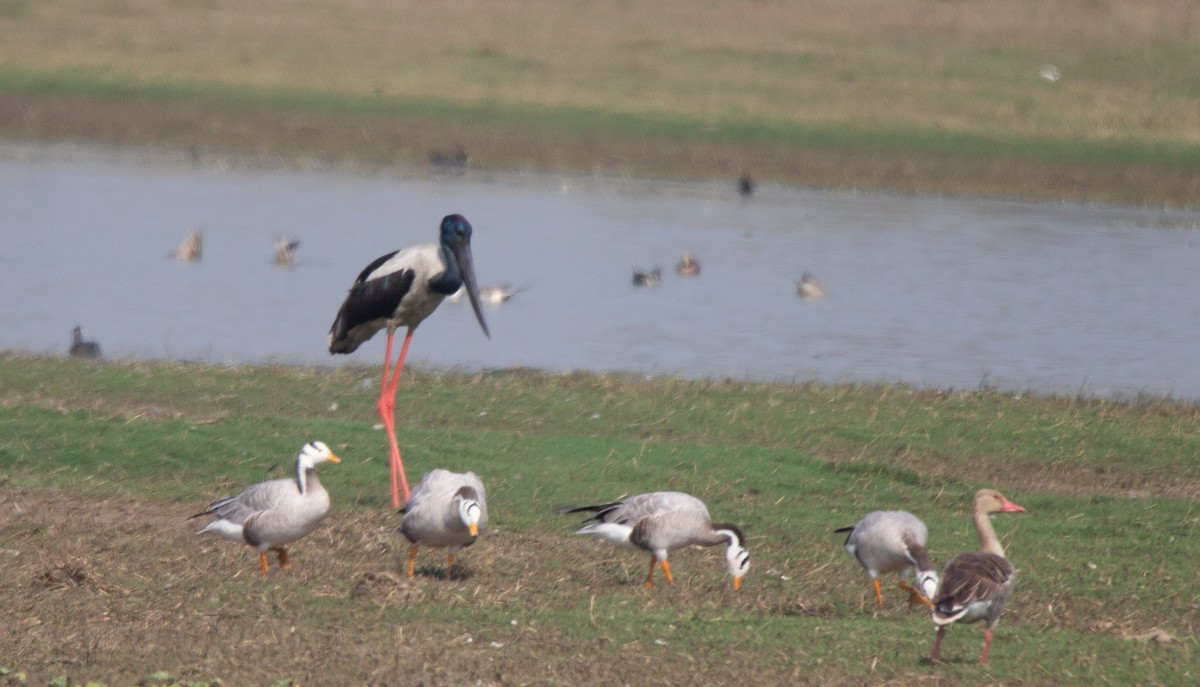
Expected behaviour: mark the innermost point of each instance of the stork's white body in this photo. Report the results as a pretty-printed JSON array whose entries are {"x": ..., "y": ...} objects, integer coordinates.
[{"x": 406, "y": 306}]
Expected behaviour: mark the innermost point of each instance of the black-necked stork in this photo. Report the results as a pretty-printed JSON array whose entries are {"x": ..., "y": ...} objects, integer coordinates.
[{"x": 401, "y": 289}]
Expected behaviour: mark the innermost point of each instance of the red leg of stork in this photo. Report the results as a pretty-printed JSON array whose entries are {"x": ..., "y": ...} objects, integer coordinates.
[{"x": 387, "y": 412}]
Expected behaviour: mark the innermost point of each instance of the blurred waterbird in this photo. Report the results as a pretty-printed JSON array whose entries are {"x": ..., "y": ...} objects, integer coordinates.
[
  {"x": 189, "y": 250},
  {"x": 80, "y": 347}
]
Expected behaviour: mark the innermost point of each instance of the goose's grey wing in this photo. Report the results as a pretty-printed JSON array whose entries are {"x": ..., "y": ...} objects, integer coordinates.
[
  {"x": 651, "y": 505},
  {"x": 436, "y": 486},
  {"x": 660, "y": 503},
  {"x": 257, "y": 497}
]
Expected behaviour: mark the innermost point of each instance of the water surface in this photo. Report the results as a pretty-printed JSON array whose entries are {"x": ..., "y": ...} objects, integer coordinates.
[{"x": 925, "y": 291}]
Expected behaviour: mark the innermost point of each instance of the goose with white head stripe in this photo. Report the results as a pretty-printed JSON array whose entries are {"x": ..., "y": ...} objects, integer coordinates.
[
  {"x": 268, "y": 515},
  {"x": 660, "y": 521},
  {"x": 893, "y": 542},
  {"x": 447, "y": 510}
]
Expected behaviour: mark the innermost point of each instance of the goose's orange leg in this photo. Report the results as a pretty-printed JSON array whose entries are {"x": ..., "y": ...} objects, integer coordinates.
[
  {"x": 412, "y": 560},
  {"x": 915, "y": 595}
]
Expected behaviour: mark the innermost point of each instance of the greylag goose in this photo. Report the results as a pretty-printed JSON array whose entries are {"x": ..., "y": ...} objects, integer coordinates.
[
  {"x": 808, "y": 287},
  {"x": 189, "y": 250},
  {"x": 687, "y": 267},
  {"x": 82, "y": 348},
  {"x": 665, "y": 520},
  {"x": 893, "y": 541},
  {"x": 270, "y": 514},
  {"x": 446, "y": 510},
  {"x": 975, "y": 586}
]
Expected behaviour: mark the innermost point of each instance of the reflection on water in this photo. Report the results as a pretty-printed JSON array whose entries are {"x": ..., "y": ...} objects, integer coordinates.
[{"x": 930, "y": 292}]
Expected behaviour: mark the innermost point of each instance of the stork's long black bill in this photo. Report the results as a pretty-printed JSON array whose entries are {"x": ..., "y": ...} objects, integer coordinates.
[{"x": 466, "y": 265}]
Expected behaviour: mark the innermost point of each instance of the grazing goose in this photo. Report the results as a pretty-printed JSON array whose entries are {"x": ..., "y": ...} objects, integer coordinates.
[
  {"x": 687, "y": 267},
  {"x": 189, "y": 250},
  {"x": 401, "y": 289},
  {"x": 893, "y": 541},
  {"x": 651, "y": 278},
  {"x": 665, "y": 520},
  {"x": 270, "y": 514},
  {"x": 446, "y": 510},
  {"x": 80, "y": 347},
  {"x": 975, "y": 586},
  {"x": 808, "y": 287}
]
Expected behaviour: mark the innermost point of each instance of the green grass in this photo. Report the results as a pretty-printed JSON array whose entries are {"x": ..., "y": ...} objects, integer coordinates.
[
  {"x": 911, "y": 95},
  {"x": 728, "y": 129},
  {"x": 1106, "y": 551}
]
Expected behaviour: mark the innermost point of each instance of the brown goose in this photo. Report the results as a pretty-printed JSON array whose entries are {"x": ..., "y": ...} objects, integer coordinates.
[
  {"x": 285, "y": 252},
  {"x": 189, "y": 250},
  {"x": 975, "y": 586},
  {"x": 665, "y": 520},
  {"x": 688, "y": 267},
  {"x": 270, "y": 514},
  {"x": 893, "y": 542},
  {"x": 807, "y": 287},
  {"x": 446, "y": 510}
]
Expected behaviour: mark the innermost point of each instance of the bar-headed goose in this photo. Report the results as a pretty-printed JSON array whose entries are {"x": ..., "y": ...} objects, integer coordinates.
[
  {"x": 270, "y": 514},
  {"x": 665, "y": 520},
  {"x": 975, "y": 586},
  {"x": 446, "y": 510},
  {"x": 893, "y": 542}
]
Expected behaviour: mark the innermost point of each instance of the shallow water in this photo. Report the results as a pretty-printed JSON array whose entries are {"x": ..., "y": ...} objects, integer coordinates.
[{"x": 929, "y": 292}]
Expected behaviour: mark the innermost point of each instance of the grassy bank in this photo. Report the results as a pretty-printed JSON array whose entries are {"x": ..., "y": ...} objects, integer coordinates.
[
  {"x": 105, "y": 580},
  {"x": 915, "y": 95}
]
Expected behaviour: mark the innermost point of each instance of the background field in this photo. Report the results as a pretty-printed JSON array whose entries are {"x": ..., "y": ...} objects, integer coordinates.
[
  {"x": 908, "y": 95},
  {"x": 103, "y": 579}
]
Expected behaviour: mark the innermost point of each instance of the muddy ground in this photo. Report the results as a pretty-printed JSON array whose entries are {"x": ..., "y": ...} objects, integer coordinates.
[
  {"x": 278, "y": 136},
  {"x": 121, "y": 589}
]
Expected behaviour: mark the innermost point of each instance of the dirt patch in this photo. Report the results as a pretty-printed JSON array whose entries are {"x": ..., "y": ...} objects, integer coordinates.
[
  {"x": 213, "y": 133},
  {"x": 119, "y": 589},
  {"x": 116, "y": 590}
]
